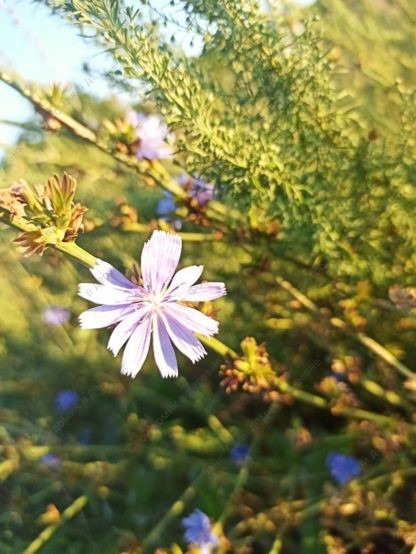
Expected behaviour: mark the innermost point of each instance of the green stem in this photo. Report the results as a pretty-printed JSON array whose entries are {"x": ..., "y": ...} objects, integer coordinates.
[
  {"x": 25, "y": 126},
  {"x": 391, "y": 477},
  {"x": 46, "y": 534},
  {"x": 173, "y": 513},
  {"x": 304, "y": 396},
  {"x": 34, "y": 452},
  {"x": 218, "y": 346},
  {"x": 357, "y": 413},
  {"x": 320, "y": 402},
  {"x": 277, "y": 544},
  {"x": 299, "y": 394},
  {"x": 338, "y": 323},
  {"x": 243, "y": 474},
  {"x": 375, "y": 347},
  {"x": 76, "y": 252}
]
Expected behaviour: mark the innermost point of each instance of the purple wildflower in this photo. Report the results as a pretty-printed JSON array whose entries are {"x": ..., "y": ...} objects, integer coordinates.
[
  {"x": 342, "y": 468},
  {"x": 151, "y": 134},
  {"x": 54, "y": 315},
  {"x": 239, "y": 453},
  {"x": 198, "y": 531},
  {"x": 165, "y": 207},
  {"x": 50, "y": 460},
  {"x": 65, "y": 400},
  {"x": 198, "y": 190},
  {"x": 152, "y": 308}
]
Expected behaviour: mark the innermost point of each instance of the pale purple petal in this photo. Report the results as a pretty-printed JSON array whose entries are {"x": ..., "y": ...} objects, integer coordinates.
[
  {"x": 183, "y": 339},
  {"x": 151, "y": 127},
  {"x": 136, "y": 349},
  {"x": 163, "y": 350},
  {"x": 103, "y": 316},
  {"x": 198, "y": 190},
  {"x": 183, "y": 280},
  {"x": 54, "y": 315},
  {"x": 202, "y": 192},
  {"x": 202, "y": 292},
  {"x": 106, "y": 274},
  {"x": 151, "y": 133},
  {"x": 192, "y": 319},
  {"x": 124, "y": 329},
  {"x": 102, "y": 294},
  {"x": 160, "y": 258},
  {"x": 153, "y": 150}
]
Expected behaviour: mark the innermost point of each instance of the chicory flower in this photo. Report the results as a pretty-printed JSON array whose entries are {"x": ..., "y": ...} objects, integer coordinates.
[{"x": 152, "y": 309}]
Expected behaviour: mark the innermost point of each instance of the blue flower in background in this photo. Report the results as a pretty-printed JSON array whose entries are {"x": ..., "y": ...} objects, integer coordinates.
[
  {"x": 198, "y": 531},
  {"x": 239, "y": 453},
  {"x": 65, "y": 399},
  {"x": 198, "y": 191},
  {"x": 342, "y": 468},
  {"x": 50, "y": 460},
  {"x": 166, "y": 205},
  {"x": 54, "y": 315}
]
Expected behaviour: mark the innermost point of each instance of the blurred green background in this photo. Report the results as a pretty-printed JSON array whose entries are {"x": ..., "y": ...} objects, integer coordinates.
[{"x": 136, "y": 456}]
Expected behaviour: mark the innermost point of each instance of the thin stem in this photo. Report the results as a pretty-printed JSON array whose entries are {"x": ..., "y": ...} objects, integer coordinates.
[
  {"x": 338, "y": 323},
  {"x": 34, "y": 452},
  {"x": 243, "y": 474},
  {"x": 277, "y": 544},
  {"x": 174, "y": 511},
  {"x": 218, "y": 346},
  {"x": 299, "y": 394},
  {"x": 304, "y": 396},
  {"x": 25, "y": 126},
  {"x": 46, "y": 534},
  {"x": 76, "y": 252}
]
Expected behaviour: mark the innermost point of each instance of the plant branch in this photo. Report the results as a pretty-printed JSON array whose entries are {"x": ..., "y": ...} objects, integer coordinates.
[
  {"x": 361, "y": 337},
  {"x": 46, "y": 534}
]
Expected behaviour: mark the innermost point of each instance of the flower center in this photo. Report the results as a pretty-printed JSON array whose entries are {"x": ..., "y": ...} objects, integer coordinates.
[{"x": 155, "y": 300}]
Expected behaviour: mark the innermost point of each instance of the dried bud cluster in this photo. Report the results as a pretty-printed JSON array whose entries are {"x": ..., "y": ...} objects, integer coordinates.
[
  {"x": 385, "y": 442},
  {"x": 339, "y": 393},
  {"x": 50, "y": 209},
  {"x": 253, "y": 372},
  {"x": 404, "y": 298},
  {"x": 407, "y": 531},
  {"x": 12, "y": 201},
  {"x": 124, "y": 214},
  {"x": 348, "y": 367},
  {"x": 196, "y": 201}
]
